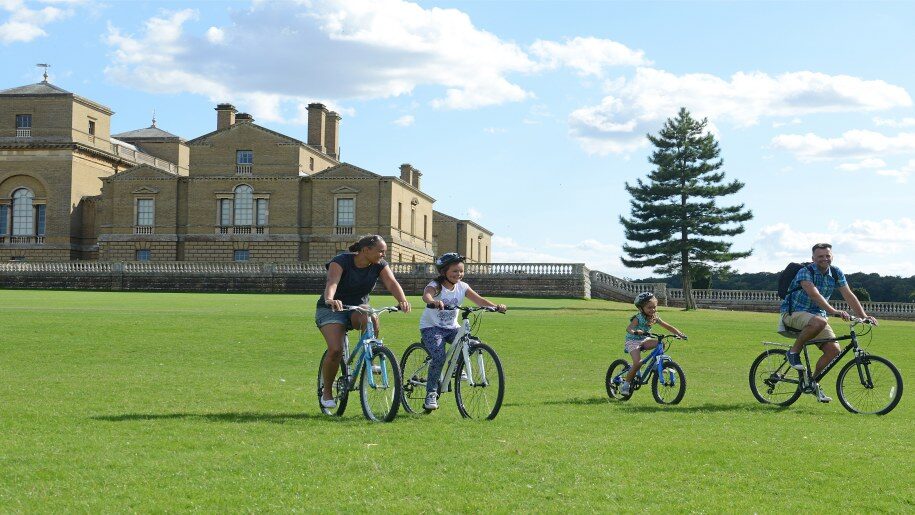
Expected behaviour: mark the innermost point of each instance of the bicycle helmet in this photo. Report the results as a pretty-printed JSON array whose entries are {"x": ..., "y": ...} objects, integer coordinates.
[
  {"x": 642, "y": 298},
  {"x": 447, "y": 259}
]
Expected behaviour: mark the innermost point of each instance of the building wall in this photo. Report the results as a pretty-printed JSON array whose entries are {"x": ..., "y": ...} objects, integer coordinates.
[
  {"x": 273, "y": 155},
  {"x": 51, "y": 115}
]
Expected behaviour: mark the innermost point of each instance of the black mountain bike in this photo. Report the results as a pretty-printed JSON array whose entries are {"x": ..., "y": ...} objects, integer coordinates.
[{"x": 867, "y": 384}]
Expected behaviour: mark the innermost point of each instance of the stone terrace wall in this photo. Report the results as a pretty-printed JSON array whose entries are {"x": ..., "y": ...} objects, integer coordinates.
[
  {"x": 558, "y": 280},
  {"x": 502, "y": 279}
]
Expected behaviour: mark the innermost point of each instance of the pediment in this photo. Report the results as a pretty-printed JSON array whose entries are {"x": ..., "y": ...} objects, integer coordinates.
[
  {"x": 345, "y": 171},
  {"x": 344, "y": 190},
  {"x": 145, "y": 190},
  {"x": 140, "y": 172}
]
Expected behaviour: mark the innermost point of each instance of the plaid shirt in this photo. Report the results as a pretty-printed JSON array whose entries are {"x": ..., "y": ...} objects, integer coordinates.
[{"x": 824, "y": 283}]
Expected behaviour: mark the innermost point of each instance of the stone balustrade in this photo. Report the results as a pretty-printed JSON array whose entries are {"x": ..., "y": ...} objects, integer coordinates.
[{"x": 563, "y": 280}]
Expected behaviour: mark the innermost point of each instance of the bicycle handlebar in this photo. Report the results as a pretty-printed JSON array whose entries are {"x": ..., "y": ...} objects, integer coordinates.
[
  {"x": 665, "y": 336},
  {"x": 464, "y": 309},
  {"x": 368, "y": 310}
]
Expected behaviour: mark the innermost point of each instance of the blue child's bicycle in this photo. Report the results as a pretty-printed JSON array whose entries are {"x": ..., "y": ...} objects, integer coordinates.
[
  {"x": 373, "y": 369},
  {"x": 668, "y": 383}
]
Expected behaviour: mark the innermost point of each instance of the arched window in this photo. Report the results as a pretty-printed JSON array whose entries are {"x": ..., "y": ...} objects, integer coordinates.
[
  {"x": 244, "y": 205},
  {"x": 23, "y": 213}
]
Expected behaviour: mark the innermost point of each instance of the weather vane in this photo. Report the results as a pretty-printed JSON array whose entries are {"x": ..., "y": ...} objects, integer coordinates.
[
  {"x": 45, "y": 66},
  {"x": 154, "y": 118}
]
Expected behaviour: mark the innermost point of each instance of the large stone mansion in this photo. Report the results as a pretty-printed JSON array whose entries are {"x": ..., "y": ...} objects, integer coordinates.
[{"x": 70, "y": 190}]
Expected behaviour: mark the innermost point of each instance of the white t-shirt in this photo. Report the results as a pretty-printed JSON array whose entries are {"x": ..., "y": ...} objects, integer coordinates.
[{"x": 446, "y": 319}]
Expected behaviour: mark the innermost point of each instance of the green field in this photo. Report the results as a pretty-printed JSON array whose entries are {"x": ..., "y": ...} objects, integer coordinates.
[{"x": 170, "y": 402}]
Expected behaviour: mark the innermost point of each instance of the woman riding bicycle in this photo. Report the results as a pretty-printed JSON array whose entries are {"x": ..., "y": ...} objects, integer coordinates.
[
  {"x": 437, "y": 326},
  {"x": 351, "y": 276}
]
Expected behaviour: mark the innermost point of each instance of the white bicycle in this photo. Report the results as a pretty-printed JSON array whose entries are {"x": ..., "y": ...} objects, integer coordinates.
[{"x": 479, "y": 383}]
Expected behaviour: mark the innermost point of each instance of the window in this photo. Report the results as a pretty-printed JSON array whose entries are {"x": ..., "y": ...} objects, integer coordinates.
[
  {"x": 23, "y": 125},
  {"x": 413, "y": 221},
  {"x": 261, "y": 211},
  {"x": 311, "y": 164},
  {"x": 144, "y": 212},
  {"x": 143, "y": 255},
  {"x": 39, "y": 220},
  {"x": 399, "y": 215},
  {"x": 244, "y": 157},
  {"x": 23, "y": 213},
  {"x": 4, "y": 220},
  {"x": 91, "y": 127},
  {"x": 346, "y": 212},
  {"x": 241, "y": 255},
  {"x": 225, "y": 212},
  {"x": 244, "y": 205},
  {"x": 425, "y": 227}
]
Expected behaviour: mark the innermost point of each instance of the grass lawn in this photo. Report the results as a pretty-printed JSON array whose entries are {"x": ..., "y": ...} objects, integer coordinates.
[{"x": 170, "y": 402}]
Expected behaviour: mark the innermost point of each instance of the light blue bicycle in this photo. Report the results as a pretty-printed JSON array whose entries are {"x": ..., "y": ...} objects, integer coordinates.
[{"x": 373, "y": 368}]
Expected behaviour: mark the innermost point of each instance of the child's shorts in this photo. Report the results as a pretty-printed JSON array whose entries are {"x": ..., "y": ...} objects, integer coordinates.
[{"x": 632, "y": 345}]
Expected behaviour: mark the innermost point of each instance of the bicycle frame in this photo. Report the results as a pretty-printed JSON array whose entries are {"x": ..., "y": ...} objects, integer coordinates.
[
  {"x": 461, "y": 344},
  {"x": 367, "y": 340},
  {"x": 658, "y": 356},
  {"x": 851, "y": 347}
]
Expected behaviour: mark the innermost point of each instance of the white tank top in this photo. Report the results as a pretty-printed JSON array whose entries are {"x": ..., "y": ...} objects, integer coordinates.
[{"x": 446, "y": 319}]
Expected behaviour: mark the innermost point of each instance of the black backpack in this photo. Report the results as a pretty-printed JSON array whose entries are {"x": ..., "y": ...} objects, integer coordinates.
[{"x": 788, "y": 274}]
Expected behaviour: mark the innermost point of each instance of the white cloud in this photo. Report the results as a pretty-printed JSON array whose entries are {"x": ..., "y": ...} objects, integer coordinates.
[
  {"x": 336, "y": 49},
  {"x": 25, "y": 24},
  {"x": 863, "y": 164},
  {"x": 474, "y": 214},
  {"x": 587, "y": 55},
  {"x": 852, "y": 144},
  {"x": 639, "y": 105},
  {"x": 494, "y": 130},
  {"x": 404, "y": 121},
  {"x": 793, "y": 121},
  {"x": 215, "y": 35},
  {"x": 896, "y": 124},
  {"x": 901, "y": 176},
  {"x": 871, "y": 246}
]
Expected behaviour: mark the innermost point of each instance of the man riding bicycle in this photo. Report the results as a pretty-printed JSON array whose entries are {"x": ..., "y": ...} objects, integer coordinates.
[{"x": 806, "y": 308}]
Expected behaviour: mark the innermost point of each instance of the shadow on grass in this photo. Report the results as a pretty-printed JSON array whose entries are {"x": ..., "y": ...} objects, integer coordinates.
[
  {"x": 231, "y": 418},
  {"x": 654, "y": 408},
  {"x": 565, "y": 308}
]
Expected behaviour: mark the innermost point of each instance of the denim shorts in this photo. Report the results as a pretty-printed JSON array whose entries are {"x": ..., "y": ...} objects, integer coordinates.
[{"x": 324, "y": 316}]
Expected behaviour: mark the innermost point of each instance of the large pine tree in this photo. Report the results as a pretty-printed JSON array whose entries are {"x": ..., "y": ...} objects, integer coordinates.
[{"x": 675, "y": 224}]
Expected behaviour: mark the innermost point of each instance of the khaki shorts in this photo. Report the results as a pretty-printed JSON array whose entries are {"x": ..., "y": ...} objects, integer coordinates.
[{"x": 799, "y": 319}]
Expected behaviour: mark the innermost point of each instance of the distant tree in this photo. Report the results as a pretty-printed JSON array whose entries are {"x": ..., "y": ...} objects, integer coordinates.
[
  {"x": 675, "y": 224},
  {"x": 912, "y": 296},
  {"x": 862, "y": 294}
]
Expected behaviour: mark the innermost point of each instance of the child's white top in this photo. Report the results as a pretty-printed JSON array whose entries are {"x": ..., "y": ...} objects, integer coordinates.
[{"x": 446, "y": 319}]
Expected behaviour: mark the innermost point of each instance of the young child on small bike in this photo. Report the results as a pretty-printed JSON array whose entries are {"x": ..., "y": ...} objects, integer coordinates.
[
  {"x": 639, "y": 325},
  {"x": 438, "y": 326}
]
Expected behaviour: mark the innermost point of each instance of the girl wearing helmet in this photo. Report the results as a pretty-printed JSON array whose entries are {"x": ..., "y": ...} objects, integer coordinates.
[
  {"x": 437, "y": 325},
  {"x": 639, "y": 325}
]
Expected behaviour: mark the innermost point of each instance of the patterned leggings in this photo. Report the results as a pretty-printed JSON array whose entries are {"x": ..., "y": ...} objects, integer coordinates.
[{"x": 434, "y": 339}]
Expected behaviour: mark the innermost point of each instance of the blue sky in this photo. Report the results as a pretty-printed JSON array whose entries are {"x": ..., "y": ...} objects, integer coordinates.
[{"x": 529, "y": 117}]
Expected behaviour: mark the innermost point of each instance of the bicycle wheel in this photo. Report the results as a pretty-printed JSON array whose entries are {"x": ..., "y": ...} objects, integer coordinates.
[
  {"x": 615, "y": 374},
  {"x": 870, "y": 385},
  {"x": 340, "y": 389},
  {"x": 381, "y": 400},
  {"x": 773, "y": 381},
  {"x": 671, "y": 386},
  {"x": 480, "y": 394},
  {"x": 415, "y": 368}
]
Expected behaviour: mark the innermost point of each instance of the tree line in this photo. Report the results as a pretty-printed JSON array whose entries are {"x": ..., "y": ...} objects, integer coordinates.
[{"x": 877, "y": 288}]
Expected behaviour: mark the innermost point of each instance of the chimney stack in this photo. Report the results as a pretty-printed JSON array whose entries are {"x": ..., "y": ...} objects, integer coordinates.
[
  {"x": 317, "y": 115},
  {"x": 243, "y": 117},
  {"x": 410, "y": 175},
  {"x": 332, "y": 135},
  {"x": 225, "y": 116}
]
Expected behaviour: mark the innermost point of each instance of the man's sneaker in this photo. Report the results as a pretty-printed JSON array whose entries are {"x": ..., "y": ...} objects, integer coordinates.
[
  {"x": 625, "y": 388},
  {"x": 431, "y": 401},
  {"x": 328, "y": 403},
  {"x": 821, "y": 395},
  {"x": 794, "y": 359}
]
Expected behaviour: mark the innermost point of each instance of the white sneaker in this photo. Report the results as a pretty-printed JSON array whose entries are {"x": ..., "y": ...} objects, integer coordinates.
[
  {"x": 625, "y": 388},
  {"x": 328, "y": 403},
  {"x": 431, "y": 401},
  {"x": 464, "y": 375},
  {"x": 821, "y": 395}
]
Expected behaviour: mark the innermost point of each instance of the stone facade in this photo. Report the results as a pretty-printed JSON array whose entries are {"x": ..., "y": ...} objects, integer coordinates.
[{"x": 240, "y": 193}]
